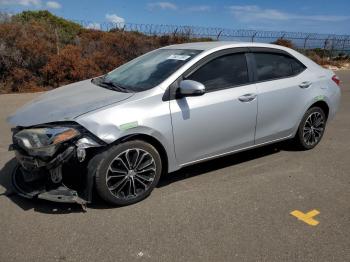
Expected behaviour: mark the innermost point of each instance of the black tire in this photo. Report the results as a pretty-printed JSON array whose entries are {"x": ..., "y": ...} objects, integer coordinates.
[
  {"x": 114, "y": 158},
  {"x": 301, "y": 136}
]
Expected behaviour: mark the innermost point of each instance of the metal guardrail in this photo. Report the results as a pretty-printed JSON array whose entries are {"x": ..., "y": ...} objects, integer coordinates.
[{"x": 332, "y": 42}]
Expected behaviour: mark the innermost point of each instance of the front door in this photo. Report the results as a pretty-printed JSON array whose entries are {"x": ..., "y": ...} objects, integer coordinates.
[{"x": 221, "y": 120}]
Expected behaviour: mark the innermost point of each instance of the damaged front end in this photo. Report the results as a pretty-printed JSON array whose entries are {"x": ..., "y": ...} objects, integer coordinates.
[{"x": 52, "y": 162}]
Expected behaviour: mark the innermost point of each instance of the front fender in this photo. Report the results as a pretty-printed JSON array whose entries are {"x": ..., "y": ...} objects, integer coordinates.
[{"x": 150, "y": 116}]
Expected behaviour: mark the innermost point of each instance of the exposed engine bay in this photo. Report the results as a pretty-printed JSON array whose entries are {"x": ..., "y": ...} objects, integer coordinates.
[{"x": 53, "y": 162}]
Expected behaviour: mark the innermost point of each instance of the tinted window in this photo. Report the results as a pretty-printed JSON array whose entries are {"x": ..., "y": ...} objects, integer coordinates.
[
  {"x": 222, "y": 72},
  {"x": 297, "y": 66},
  {"x": 272, "y": 66}
]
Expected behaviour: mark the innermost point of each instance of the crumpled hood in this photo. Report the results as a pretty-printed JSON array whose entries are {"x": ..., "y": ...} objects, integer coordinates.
[{"x": 66, "y": 103}]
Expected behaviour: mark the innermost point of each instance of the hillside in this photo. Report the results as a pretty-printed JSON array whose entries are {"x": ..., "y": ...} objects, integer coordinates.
[{"x": 40, "y": 51}]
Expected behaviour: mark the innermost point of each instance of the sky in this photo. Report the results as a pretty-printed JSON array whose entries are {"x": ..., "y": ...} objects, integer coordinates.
[{"x": 317, "y": 16}]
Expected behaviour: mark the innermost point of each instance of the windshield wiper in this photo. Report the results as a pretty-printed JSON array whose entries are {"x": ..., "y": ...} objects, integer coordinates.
[
  {"x": 114, "y": 86},
  {"x": 110, "y": 85}
]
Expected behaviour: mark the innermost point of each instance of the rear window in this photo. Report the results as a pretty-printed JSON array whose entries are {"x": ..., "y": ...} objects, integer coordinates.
[
  {"x": 273, "y": 66},
  {"x": 297, "y": 66}
]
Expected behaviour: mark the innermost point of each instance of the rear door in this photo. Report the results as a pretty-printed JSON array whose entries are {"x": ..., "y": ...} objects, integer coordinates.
[
  {"x": 221, "y": 120},
  {"x": 282, "y": 84}
]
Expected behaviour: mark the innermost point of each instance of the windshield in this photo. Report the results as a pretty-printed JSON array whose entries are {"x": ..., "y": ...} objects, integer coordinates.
[{"x": 149, "y": 70}]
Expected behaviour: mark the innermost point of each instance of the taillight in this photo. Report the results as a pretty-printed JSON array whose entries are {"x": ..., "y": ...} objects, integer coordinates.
[{"x": 336, "y": 79}]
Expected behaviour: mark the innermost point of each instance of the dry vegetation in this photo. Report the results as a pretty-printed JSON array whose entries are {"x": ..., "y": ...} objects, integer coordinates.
[{"x": 40, "y": 51}]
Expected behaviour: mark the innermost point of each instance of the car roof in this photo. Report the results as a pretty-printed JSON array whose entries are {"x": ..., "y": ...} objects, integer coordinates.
[
  {"x": 206, "y": 46},
  {"x": 209, "y": 47}
]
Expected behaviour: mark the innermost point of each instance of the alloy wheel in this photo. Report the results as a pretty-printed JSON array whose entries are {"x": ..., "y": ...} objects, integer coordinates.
[
  {"x": 130, "y": 174},
  {"x": 313, "y": 128}
]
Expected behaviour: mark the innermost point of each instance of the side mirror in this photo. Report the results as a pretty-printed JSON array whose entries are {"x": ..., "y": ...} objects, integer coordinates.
[{"x": 191, "y": 88}]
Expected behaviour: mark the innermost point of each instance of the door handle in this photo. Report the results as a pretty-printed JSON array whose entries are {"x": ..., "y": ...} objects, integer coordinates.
[
  {"x": 247, "y": 97},
  {"x": 305, "y": 84}
]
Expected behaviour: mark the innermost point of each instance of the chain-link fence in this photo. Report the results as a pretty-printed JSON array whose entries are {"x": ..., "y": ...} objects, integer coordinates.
[
  {"x": 332, "y": 42},
  {"x": 39, "y": 50}
]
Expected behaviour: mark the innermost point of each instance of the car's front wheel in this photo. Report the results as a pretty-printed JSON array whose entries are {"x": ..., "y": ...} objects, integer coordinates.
[
  {"x": 126, "y": 173},
  {"x": 311, "y": 128}
]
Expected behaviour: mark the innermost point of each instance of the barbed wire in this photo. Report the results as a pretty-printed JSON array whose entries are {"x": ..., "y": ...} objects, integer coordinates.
[{"x": 301, "y": 40}]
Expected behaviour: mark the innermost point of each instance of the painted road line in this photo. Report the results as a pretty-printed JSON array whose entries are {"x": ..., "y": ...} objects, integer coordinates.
[{"x": 308, "y": 217}]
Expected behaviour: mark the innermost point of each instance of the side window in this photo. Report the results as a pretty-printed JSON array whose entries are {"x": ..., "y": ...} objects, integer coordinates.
[
  {"x": 272, "y": 66},
  {"x": 297, "y": 66},
  {"x": 222, "y": 72}
]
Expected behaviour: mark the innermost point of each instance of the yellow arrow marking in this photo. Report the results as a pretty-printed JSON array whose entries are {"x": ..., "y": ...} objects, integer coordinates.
[{"x": 307, "y": 218}]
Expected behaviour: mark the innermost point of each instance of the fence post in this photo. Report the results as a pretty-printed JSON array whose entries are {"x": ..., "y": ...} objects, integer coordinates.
[
  {"x": 254, "y": 35},
  {"x": 150, "y": 29},
  {"x": 306, "y": 38},
  {"x": 325, "y": 45},
  {"x": 175, "y": 32},
  {"x": 218, "y": 36},
  {"x": 346, "y": 39}
]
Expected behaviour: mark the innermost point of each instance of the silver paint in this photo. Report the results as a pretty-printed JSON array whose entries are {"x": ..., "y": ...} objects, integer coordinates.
[
  {"x": 191, "y": 129},
  {"x": 66, "y": 103}
]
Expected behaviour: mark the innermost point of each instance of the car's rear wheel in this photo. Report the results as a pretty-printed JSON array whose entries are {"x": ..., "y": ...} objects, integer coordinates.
[
  {"x": 126, "y": 173},
  {"x": 311, "y": 128}
]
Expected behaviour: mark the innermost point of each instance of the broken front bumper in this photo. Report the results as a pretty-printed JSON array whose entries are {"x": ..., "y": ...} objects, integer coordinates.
[
  {"x": 62, "y": 178},
  {"x": 27, "y": 189},
  {"x": 43, "y": 182}
]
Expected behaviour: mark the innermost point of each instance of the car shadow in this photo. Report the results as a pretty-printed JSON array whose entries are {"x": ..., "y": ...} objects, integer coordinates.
[
  {"x": 47, "y": 207},
  {"x": 25, "y": 204},
  {"x": 219, "y": 163}
]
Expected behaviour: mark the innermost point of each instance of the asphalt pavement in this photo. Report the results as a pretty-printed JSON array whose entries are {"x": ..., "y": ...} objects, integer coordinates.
[{"x": 236, "y": 208}]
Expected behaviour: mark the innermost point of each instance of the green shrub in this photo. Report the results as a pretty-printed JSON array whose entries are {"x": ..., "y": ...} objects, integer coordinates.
[{"x": 66, "y": 30}]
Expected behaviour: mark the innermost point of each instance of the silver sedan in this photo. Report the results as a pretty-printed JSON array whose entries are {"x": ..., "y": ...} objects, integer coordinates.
[{"x": 167, "y": 109}]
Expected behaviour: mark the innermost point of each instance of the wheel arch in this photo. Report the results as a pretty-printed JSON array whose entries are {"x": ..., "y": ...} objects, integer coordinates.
[
  {"x": 323, "y": 105},
  {"x": 151, "y": 140},
  {"x": 320, "y": 103}
]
